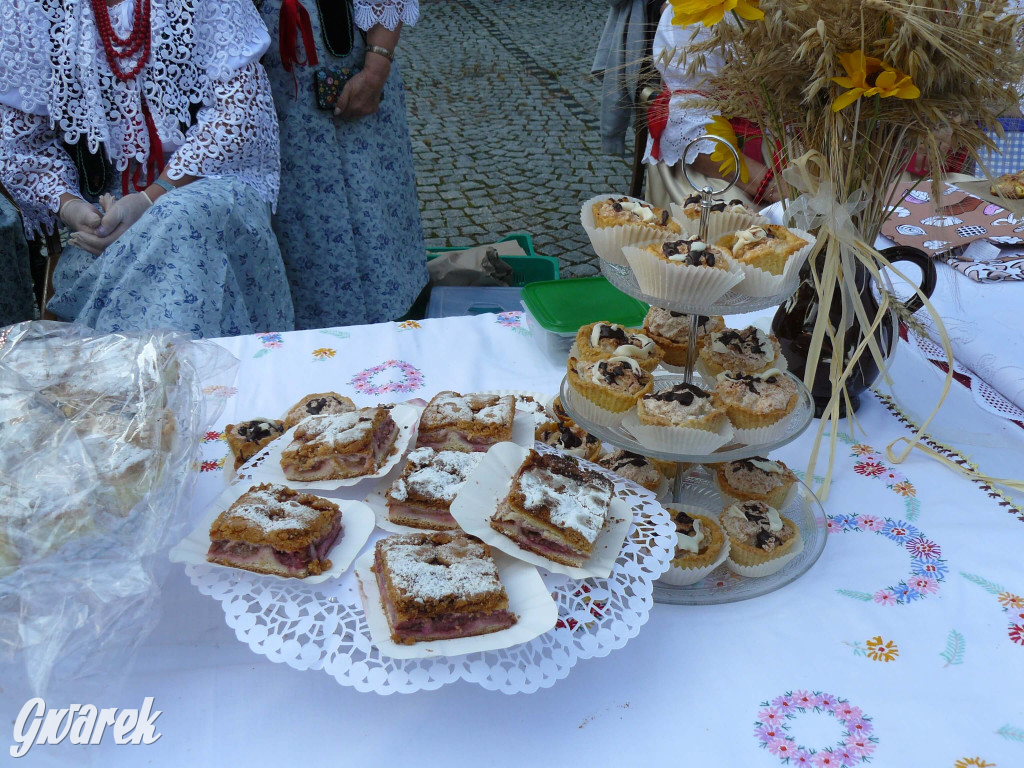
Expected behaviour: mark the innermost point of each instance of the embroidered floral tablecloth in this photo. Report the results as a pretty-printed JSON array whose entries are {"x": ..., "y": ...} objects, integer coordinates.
[{"x": 903, "y": 646}]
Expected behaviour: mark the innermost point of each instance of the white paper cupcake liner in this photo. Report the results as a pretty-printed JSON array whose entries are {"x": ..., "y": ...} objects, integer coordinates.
[
  {"x": 759, "y": 283},
  {"x": 767, "y": 569},
  {"x": 680, "y": 282},
  {"x": 685, "y": 440},
  {"x": 762, "y": 435},
  {"x": 684, "y": 577},
  {"x": 728, "y": 497},
  {"x": 590, "y": 411},
  {"x": 719, "y": 224},
  {"x": 609, "y": 241}
]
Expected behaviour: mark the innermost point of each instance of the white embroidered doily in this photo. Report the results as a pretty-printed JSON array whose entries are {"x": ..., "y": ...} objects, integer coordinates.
[{"x": 323, "y": 627}]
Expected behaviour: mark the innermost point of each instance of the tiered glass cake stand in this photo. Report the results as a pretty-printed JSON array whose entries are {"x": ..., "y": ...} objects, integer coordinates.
[{"x": 693, "y": 486}]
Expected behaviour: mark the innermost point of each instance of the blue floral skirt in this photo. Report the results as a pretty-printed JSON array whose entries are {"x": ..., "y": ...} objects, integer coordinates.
[
  {"x": 202, "y": 260},
  {"x": 348, "y": 218}
]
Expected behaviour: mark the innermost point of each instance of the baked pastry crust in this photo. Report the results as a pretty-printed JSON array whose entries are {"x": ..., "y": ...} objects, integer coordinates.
[
  {"x": 758, "y": 399},
  {"x": 757, "y": 533},
  {"x": 1009, "y": 186},
  {"x": 749, "y": 350},
  {"x": 616, "y": 212},
  {"x": 438, "y": 586},
  {"x": 274, "y": 529},
  {"x": 709, "y": 536},
  {"x": 247, "y": 438},
  {"x": 670, "y": 330},
  {"x": 604, "y": 340},
  {"x": 614, "y": 384},
  {"x": 755, "y": 479},
  {"x": 473, "y": 422},
  {"x": 569, "y": 438},
  {"x": 319, "y": 404},
  {"x": 691, "y": 251},
  {"x": 765, "y": 246},
  {"x": 340, "y": 445},
  {"x": 555, "y": 508},
  {"x": 684, "y": 406},
  {"x": 422, "y": 496}
]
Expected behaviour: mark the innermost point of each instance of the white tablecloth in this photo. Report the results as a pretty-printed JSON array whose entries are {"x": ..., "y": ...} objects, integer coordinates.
[{"x": 929, "y": 671}]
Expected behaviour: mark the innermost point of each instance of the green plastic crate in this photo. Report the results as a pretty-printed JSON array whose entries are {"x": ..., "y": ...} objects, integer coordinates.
[{"x": 530, "y": 268}]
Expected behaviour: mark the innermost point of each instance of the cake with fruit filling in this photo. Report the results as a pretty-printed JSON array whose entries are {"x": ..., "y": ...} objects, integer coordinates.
[
  {"x": 555, "y": 508},
  {"x": 321, "y": 404},
  {"x": 273, "y": 529},
  {"x": 247, "y": 438},
  {"x": 340, "y": 446},
  {"x": 471, "y": 422},
  {"x": 439, "y": 586},
  {"x": 423, "y": 495}
]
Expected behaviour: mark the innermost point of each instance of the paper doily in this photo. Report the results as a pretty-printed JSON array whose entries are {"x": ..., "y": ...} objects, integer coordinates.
[{"x": 322, "y": 626}]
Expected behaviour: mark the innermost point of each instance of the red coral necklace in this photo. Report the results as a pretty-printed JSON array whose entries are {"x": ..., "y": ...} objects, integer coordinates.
[{"x": 118, "y": 50}]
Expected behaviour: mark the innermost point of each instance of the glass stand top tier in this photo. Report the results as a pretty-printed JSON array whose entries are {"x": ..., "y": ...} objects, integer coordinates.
[
  {"x": 732, "y": 303},
  {"x": 791, "y": 427}
]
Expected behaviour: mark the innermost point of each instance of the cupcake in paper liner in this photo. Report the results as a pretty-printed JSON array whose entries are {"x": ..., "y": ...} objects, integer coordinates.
[
  {"x": 755, "y": 479},
  {"x": 603, "y": 340},
  {"x": 604, "y": 390},
  {"x": 757, "y": 400},
  {"x": 723, "y": 222},
  {"x": 680, "y": 419},
  {"x": 637, "y": 469},
  {"x": 761, "y": 541},
  {"x": 686, "y": 269},
  {"x": 762, "y": 435},
  {"x": 749, "y": 350},
  {"x": 613, "y": 222},
  {"x": 701, "y": 546},
  {"x": 760, "y": 282},
  {"x": 670, "y": 330}
]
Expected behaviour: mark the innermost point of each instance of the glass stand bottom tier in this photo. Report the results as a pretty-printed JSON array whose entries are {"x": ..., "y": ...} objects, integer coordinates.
[{"x": 722, "y": 585}]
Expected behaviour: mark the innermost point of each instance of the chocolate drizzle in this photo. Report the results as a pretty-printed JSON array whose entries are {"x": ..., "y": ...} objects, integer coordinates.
[
  {"x": 748, "y": 464},
  {"x": 752, "y": 380},
  {"x": 684, "y": 394},
  {"x": 757, "y": 512},
  {"x": 315, "y": 406},
  {"x": 698, "y": 258},
  {"x": 257, "y": 429},
  {"x": 613, "y": 371},
  {"x": 746, "y": 340},
  {"x": 569, "y": 438},
  {"x": 684, "y": 523},
  {"x": 613, "y": 332}
]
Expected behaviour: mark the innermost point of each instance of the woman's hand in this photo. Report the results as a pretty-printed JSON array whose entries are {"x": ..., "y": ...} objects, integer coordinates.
[
  {"x": 118, "y": 216},
  {"x": 362, "y": 94},
  {"x": 78, "y": 215}
]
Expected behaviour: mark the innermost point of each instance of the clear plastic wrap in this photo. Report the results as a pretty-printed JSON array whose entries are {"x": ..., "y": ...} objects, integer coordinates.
[{"x": 98, "y": 437}]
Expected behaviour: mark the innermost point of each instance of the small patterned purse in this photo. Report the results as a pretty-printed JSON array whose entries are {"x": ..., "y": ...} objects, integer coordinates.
[{"x": 328, "y": 83}]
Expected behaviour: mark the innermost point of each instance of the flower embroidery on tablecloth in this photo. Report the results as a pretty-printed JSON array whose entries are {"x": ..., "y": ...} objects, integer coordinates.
[
  {"x": 856, "y": 745},
  {"x": 220, "y": 391},
  {"x": 954, "y": 653},
  {"x": 513, "y": 320},
  {"x": 409, "y": 325},
  {"x": 927, "y": 568},
  {"x": 366, "y": 381},
  {"x": 268, "y": 342},
  {"x": 336, "y": 333},
  {"x": 323, "y": 353},
  {"x": 871, "y": 464},
  {"x": 972, "y": 762},
  {"x": 212, "y": 465},
  {"x": 211, "y": 437},
  {"x": 1011, "y": 604},
  {"x": 876, "y": 649}
]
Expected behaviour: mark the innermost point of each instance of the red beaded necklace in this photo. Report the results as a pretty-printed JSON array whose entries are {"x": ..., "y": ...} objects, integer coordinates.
[{"x": 120, "y": 50}]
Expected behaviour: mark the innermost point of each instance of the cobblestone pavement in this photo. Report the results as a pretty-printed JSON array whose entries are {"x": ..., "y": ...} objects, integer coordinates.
[{"x": 504, "y": 119}]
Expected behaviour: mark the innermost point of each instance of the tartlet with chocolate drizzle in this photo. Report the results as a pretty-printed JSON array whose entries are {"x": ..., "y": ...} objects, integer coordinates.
[
  {"x": 748, "y": 350},
  {"x": 604, "y": 340},
  {"x": 613, "y": 385},
  {"x": 755, "y": 400},
  {"x": 684, "y": 406}
]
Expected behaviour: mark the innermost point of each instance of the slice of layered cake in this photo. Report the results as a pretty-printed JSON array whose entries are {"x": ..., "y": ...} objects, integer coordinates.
[
  {"x": 423, "y": 495},
  {"x": 473, "y": 422},
  {"x": 555, "y": 508},
  {"x": 340, "y": 445},
  {"x": 439, "y": 586},
  {"x": 273, "y": 529}
]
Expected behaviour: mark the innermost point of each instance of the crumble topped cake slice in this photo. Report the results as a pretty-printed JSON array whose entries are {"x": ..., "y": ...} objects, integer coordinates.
[
  {"x": 473, "y": 422},
  {"x": 340, "y": 445},
  {"x": 320, "y": 404},
  {"x": 423, "y": 495},
  {"x": 247, "y": 438},
  {"x": 439, "y": 586},
  {"x": 555, "y": 508},
  {"x": 273, "y": 529}
]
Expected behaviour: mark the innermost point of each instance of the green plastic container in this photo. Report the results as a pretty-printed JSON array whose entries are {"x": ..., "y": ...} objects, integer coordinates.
[
  {"x": 563, "y": 306},
  {"x": 528, "y": 269}
]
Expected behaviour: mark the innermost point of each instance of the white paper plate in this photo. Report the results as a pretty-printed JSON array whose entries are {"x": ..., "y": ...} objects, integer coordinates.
[
  {"x": 488, "y": 486},
  {"x": 265, "y": 466},
  {"x": 528, "y": 598},
  {"x": 356, "y": 520}
]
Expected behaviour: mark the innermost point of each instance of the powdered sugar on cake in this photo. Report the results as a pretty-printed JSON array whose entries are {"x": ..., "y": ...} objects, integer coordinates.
[
  {"x": 441, "y": 572},
  {"x": 579, "y": 506},
  {"x": 438, "y": 474},
  {"x": 268, "y": 513}
]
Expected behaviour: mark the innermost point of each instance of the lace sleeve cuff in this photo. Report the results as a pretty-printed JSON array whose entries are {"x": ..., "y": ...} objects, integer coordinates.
[
  {"x": 387, "y": 13},
  {"x": 236, "y": 137},
  {"x": 34, "y": 168}
]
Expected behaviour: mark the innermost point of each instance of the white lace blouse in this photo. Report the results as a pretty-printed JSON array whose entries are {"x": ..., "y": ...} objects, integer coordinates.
[
  {"x": 387, "y": 13},
  {"x": 56, "y": 84}
]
